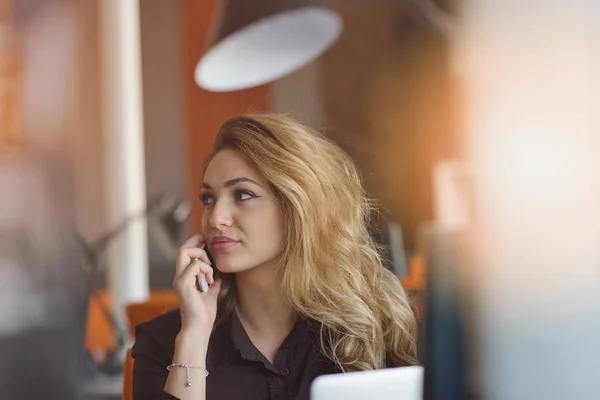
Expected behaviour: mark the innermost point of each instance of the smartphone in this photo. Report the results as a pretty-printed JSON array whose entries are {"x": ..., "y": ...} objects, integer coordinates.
[{"x": 202, "y": 283}]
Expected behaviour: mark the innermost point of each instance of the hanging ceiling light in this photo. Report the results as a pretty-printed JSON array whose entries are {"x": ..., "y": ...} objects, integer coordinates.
[{"x": 255, "y": 42}]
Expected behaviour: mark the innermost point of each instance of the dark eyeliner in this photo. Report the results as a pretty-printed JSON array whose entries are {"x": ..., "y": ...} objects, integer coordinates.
[
  {"x": 241, "y": 192},
  {"x": 204, "y": 197}
]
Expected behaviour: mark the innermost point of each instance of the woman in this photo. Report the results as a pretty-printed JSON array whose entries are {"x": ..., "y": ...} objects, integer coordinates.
[{"x": 301, "y": 290}]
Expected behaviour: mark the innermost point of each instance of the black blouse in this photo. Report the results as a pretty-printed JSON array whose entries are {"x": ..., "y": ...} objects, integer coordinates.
[{"x": 238, "y": 370}]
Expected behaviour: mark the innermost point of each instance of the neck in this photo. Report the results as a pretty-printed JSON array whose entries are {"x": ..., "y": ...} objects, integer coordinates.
[{"x": 260, "y": 303}]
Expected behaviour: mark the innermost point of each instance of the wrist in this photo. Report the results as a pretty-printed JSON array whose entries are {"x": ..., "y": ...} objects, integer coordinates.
[
  {"x": 194, "y": 332},
  {"x": 192, "y": 340}
]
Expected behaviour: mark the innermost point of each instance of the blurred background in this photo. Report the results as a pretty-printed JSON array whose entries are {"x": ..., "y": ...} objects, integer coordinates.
[{"x": 475, "y": 125}]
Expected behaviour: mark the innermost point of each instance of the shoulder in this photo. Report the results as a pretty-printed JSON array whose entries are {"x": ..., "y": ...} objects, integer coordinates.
[{"x": 157, "y": 336}]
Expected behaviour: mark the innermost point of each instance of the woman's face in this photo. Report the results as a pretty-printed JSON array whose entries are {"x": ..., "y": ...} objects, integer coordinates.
[{"x": 242, "y": 222}]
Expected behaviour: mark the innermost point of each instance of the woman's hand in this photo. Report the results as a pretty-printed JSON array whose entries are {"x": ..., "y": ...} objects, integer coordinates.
[{"x": 198, "y": 310}]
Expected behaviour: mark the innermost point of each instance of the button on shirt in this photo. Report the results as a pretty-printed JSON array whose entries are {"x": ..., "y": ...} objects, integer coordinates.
[{"x": 238, "y": 370}]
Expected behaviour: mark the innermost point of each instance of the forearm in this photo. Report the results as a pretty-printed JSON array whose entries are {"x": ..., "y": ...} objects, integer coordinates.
[{"x": 190, "y": 348}]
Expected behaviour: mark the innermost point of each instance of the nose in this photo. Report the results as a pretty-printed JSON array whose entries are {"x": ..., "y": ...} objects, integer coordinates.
[{"x": 219, "y": 215}]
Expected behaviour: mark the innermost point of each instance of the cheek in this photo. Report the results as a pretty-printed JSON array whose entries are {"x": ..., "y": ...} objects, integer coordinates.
[
  {"x": 273, "y": 225},
  {"x": 263, "y": 226},
  {"x": 204, "y": 222}
]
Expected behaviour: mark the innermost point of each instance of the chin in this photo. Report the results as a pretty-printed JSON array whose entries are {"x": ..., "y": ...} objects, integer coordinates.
[{"x": 230, "y": 264}]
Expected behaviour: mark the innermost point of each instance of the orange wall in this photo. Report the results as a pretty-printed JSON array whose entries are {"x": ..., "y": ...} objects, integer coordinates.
[{"x": 206, "y": 111}]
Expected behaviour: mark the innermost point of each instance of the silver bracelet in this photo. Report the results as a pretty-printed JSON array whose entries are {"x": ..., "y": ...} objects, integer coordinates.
[{"x": 188, "y": 381}]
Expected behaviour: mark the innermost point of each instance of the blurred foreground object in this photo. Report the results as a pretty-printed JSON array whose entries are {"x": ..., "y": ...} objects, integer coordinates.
[
  {"x": 446, "y": 244},
  {"x": 531, "y": 73},
  {"x": 256, "y": 42},
  {"x": 10, "y": 80},
  {"x": 42, "y": 287}
]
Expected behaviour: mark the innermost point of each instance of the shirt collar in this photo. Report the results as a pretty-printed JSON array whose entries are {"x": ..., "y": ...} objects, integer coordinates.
[{"x": 230, "y": 338}]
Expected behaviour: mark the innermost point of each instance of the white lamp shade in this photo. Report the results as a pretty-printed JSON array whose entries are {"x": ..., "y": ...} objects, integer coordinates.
[{"x": 268, "y": 48}]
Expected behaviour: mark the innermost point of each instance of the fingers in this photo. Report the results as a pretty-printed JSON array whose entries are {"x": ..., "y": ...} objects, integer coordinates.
[
  {"x": 186, "y": 255},
  {"x": 193, "y": 241},
  {"x": 207, "y": 271},
  {"x": 196, "y": 268},
  {"x": 189, "y": 275}
]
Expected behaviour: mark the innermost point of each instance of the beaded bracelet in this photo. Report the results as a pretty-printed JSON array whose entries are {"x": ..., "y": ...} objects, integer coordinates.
[{"x": 188, "y": 381}]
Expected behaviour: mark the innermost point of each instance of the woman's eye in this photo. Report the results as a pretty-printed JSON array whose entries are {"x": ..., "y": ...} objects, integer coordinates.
[
  {"x": 206, "y": 199},
  {"x": 244, "y": 195}
]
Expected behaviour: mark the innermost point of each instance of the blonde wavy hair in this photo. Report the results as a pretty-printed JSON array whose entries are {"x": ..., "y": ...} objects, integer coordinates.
[{"x": 333, "y": 273}]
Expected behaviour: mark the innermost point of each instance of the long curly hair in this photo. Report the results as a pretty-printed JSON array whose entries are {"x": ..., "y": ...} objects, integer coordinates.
[{"x": 332, "y": 269}]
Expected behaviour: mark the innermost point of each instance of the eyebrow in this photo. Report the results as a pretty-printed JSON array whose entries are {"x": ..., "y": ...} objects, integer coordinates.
[{"x": 231, "y": 182}]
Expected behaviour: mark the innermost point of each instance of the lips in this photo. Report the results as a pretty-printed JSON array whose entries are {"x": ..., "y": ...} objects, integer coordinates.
[
  {"x": 223, "y": 243},
  {"x": 222, "y": 239}
]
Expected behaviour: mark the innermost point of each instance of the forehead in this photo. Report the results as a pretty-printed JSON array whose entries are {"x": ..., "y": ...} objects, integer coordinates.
[{"x": 229, "y": 164}]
